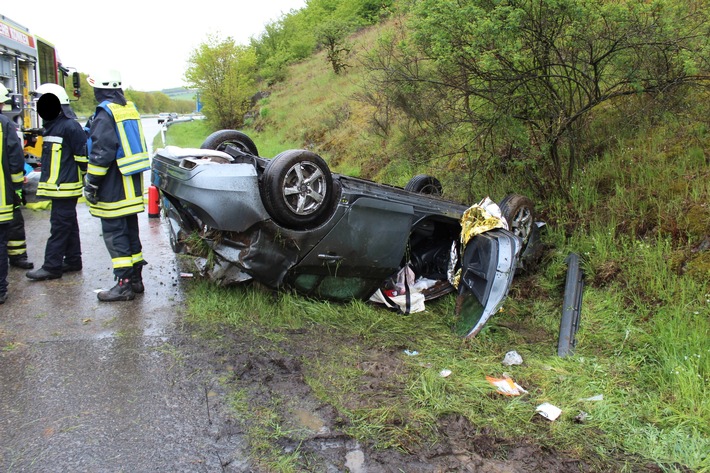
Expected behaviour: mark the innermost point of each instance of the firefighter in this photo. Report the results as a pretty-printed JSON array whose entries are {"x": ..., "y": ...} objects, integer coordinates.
[
  {"x": 12, "y": 163},
  {"x": 113, "y": 186},
  {"x": 63, "y": 167},
  {"x": 17, "y": 242}
]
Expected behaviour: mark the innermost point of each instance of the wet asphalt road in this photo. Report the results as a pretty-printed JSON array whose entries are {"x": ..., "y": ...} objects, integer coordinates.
[{"x": 101, "y": 387}]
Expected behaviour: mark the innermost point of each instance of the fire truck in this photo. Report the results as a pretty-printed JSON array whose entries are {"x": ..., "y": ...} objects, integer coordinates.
[{"x": 26, "y": 61}]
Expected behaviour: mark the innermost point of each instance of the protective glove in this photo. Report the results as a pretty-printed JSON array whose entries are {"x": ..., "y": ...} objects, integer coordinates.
[
  {"x": 19, "y": 198},
  {"x": 90, "y": 193}
]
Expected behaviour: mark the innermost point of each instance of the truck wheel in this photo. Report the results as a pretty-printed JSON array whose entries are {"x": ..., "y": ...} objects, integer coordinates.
[
  {"x": 219, "y": 140},
  {"x": 424, "y": 184},
  {"x": 297, "y": 189}
]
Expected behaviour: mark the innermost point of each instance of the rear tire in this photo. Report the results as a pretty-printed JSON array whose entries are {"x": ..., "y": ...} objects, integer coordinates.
[
  {"x": 519, "y": 211},
  {"x": 220, "y": 140},
  {"x": 297, "y": 190},
  {"x": 424, "y": 184}
]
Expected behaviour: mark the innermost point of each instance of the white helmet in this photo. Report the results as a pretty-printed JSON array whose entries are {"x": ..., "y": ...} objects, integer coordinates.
[
  {"x": 4, "y": 94},
  {"x": 108, "y": 79},
  {"x": 54, "y": 89}
]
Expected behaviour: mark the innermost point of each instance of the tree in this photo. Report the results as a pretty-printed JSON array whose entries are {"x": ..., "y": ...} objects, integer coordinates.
[
  {"x": 332, "y": 35},
  {"x": 528, "y": 73},
  {"x": 224, "y": 73}
]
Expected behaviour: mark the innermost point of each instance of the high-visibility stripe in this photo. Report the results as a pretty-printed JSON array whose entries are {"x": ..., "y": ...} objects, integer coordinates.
[
  {"x": 132, "y": 156},
  {"x": 117, "y": 209},
  {"x": 56, "y": 158},
  {"x": 96, "y": 170},
  {"x": 5, "y": 210},
  {"x": 137, "y": 258},
  {"x": 122, "y": 262},
  {"x": 16, "y": 247},
  {"x": 7, "y": 207}
]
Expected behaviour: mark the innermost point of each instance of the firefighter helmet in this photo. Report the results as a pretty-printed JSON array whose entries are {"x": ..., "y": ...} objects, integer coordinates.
[
  {"x": 108, "y": 79},
  {"x": 54, "y": 89},
  {"x": 4, "y": 94}
]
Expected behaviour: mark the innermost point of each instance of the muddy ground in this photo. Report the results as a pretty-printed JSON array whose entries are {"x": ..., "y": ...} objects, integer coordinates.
[
  {"x": 129, "y": 387},
  {"x": 269, "y": 371}
]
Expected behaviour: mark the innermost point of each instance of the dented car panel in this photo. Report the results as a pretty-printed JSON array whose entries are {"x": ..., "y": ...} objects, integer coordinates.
[{"x": 289, "y": 222}]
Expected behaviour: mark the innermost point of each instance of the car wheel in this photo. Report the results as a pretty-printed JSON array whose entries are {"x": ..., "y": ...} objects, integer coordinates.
[
  {"x": 424, "y": 184},
  {"x": 297, "y": 189},
  {"x": 219, "y": 140},
  {"x": 519, "y": 211}
]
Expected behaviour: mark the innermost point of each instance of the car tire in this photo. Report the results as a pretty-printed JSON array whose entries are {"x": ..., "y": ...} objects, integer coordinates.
[
  {"x": 297, "y": 189},
  {"x": 519, "y": 211},
  {"x": 219, "y": 140},
  {"x": 424, "y": 184}
]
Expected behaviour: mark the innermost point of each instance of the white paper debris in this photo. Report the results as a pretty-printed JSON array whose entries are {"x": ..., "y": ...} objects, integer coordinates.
[
  {"x": 512, "y": 358},
  {"x": 548, "y": 411}
]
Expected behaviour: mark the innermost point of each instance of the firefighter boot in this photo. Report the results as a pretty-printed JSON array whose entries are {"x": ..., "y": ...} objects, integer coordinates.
[
  {"x": 21, "y": 261},
  {"x": 122, "y": 291},
  {"x": 137, "y": 280}
]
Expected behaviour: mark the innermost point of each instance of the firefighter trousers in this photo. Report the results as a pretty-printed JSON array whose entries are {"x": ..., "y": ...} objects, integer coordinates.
[
  {"x": 4, "y": 230},
  {"x": 16, "y": 240},
  {"x": 123, "y": 243},
  {"x": 64, "y": 243}
]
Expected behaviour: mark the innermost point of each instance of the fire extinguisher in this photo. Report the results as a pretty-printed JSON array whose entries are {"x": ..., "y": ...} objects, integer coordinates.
[{"x": 153, "y": 202}]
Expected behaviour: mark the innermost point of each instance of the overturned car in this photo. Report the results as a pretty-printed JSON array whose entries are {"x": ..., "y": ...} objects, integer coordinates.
[{"x": 288, "y": 222}]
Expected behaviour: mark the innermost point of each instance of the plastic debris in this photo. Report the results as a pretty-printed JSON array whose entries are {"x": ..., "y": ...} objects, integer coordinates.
[
  {"x": 598, "y": 397},
  {"x": 548, "y": 411},
  {"x": 186, "y": 275},
  {"x": 411, "y": 352},
  {"x": 506, "y": 386},
  {"x": 445, "y": 373},
  {"x": 581, "y": 417},
  {"x": 512, "y": 358}
]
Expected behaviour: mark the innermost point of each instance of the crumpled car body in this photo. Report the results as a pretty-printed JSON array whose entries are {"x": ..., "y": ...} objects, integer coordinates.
[{"x": 288, "y": 222}]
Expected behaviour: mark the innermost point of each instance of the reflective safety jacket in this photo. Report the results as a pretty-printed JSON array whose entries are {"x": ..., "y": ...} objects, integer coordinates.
[
  {"x": 118, "y": 155},
  {"x": 12, "y": 165},
  {"x": 63, "y": 159},
  {"x": 132, "y": 156}
]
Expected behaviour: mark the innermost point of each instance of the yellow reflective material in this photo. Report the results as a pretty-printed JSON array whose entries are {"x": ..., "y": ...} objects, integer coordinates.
[
  {"x": 122, "y": 262},
  {"x": 476, "y": 220},
  {"x": 133, "y": 163},
  {"x": 96, "y": 170},
  {"x": 121, "y": 113}
]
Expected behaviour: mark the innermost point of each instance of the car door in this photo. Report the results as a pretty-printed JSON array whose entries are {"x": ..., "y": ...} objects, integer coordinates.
[
  {"x": 487, "y": 270},
  {"x": 365, "y": 247}
]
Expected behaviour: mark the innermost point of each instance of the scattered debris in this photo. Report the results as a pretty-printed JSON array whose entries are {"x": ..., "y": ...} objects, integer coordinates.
[
  {"x": 506, "y": 386},
  {"x": 548, "y": 411},
  {"x": 571, "y": 307},
  {"x": 598, "y": 397},
  {"x": 445, "y": 373},
  {"x": 411, "y": 352},
  {"x": 186, "y": 275},
  {"x": 512, "y": 358},
  {"x": 581, "y": 417}
]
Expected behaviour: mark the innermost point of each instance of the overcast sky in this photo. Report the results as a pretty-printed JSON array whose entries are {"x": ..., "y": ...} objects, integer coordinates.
[{"x": 148, "y": 41}]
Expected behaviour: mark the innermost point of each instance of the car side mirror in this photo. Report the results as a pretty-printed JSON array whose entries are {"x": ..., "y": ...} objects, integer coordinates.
[{"x": 76, "y": 83}]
